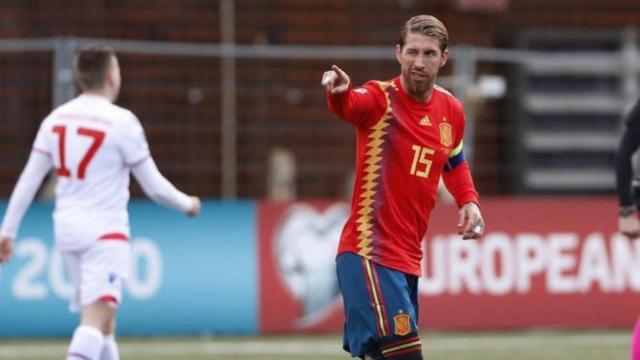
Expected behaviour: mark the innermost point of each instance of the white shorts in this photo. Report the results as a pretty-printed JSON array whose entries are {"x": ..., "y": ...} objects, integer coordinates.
[{"x": 98, "y": 272}]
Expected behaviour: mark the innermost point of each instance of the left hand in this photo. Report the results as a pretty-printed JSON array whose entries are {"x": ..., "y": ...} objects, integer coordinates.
[
  {"x": 195, "y": 207},
  {"x": 470, "y": 223},
  {"x": 6, "y": 248},
  {"x": 629, "y": 225}
]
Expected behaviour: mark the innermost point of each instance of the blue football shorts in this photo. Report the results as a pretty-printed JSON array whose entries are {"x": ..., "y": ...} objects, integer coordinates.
[{"x": 380, "y": 306}]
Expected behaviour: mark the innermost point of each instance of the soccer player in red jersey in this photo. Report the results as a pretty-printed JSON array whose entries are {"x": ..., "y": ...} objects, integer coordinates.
[{"x": 409, "y": 135}]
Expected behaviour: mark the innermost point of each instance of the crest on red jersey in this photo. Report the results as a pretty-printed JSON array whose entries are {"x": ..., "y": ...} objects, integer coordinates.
[{"x": 445, "y": 134}]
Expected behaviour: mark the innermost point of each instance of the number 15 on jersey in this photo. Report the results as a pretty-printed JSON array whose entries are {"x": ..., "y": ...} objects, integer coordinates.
[{"x": 421, "y": 164}]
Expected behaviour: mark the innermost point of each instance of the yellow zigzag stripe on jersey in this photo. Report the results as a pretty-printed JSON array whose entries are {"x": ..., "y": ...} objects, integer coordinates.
[{"x": 371, "y": 174}]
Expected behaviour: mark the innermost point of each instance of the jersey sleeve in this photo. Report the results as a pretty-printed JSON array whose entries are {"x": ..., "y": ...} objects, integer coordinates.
[
  {"x": 37, "y": 167},
  {"x": 457, "y": 175},
  {"x": 41, "y": 143},
  {"x": 133, "y": 142},
  {"x": 158, "y": 188},
  {"x": 632, "y": 119},
  {"x": 359, "y": 106},
  {"x": 34, "y": 172}
]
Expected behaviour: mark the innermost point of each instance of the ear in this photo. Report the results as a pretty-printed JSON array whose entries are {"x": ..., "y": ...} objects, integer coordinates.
[
  {"x": 109, "y": 78},
  {"x": 111, "y": 75},
  {"x": 79, "y": 85},
  {"x": 444, "y": 57},
  {"x": 398, "y": 53}
]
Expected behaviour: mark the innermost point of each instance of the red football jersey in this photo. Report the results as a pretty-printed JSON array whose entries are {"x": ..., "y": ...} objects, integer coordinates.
[{"x": 403, "y": 148}]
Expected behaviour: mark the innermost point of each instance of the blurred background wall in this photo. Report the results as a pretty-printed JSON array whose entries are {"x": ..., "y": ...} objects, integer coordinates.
[{"x": 279, "y": 104}]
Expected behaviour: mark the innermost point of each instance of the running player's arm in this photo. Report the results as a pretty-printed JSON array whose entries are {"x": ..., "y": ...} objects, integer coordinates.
[
  {"x": 353, "y": 105},
  {"x": 34, "y": 172},
  {"x": 37, "y": 168},
  {"x": 158, "y": 188},
  {"x": 136, "y": 153}
]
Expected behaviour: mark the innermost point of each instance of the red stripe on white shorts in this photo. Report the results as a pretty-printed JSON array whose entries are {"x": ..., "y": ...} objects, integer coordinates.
[
  {"x": 114, "y": 236},
  {"x": 108, "y": 299}
]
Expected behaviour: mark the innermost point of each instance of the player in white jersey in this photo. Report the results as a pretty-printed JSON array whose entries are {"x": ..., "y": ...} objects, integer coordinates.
[{"x": 93, "y": 146}]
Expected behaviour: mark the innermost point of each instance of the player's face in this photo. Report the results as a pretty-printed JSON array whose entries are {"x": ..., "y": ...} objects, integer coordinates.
[{"x": 420, "y": 60}]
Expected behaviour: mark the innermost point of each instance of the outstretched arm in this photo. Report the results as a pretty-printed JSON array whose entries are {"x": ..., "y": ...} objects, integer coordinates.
[
  {"x": 628, "y": 223},
  {"x": 358, "y": 106},
  {"x": 34, "y": 172},
  {"x": 160, "y": 190}
]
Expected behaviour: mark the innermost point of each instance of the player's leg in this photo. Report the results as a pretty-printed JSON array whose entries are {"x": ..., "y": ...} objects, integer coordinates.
[
  {"x": 400, "y": 293},
  {"x": 103, "y": 267},
  {"x": 118, "y": 252},
  {"x": 92, "y": 336},
  {"x": 101, "y": 315},
  {"x": 87, "y": 341},
  {"x": 362, "y": 327},
  {"x": 110, "y": 349},
  {"x": 635, "y": 342},
  {"x": 97, "y": 317}
]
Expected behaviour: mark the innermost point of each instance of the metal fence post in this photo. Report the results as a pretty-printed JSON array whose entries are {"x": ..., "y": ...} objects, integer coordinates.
[
  {"x": 629, "y": 60},
  {"x": 63, "y": 90},
  {"x": 228, "y": 91},
  {"x": 464, "y": 73},
  {"x": 63, "y": 86}
]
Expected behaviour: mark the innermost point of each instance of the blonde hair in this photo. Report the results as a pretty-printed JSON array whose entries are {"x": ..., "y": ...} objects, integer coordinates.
[{"x": 426, "y": 25}]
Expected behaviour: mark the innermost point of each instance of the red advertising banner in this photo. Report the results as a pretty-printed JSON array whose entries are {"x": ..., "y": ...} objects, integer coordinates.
[
  {"x": 298, "y": 282},
  {"x": 543, "y": 263}
]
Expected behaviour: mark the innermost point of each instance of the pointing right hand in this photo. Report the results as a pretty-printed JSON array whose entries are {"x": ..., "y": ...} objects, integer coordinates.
[{"x": 335, "y": 80}]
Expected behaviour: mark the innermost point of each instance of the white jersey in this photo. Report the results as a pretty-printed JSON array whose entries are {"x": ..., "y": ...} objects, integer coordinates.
[{"x": 93, "y": 145}]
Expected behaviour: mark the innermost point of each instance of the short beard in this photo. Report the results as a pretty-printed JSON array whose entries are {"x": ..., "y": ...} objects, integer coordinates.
[{"x": 420, "y": 88}]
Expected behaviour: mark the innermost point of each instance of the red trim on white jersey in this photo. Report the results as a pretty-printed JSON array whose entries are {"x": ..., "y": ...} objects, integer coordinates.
[
  {"x": 69, "y": 116},
  {"x": 114, "y": 236},
  {"x": 138, "y": 162},
  {"x": 44, "y": 152},
  {"x": 108, "y": 299}
]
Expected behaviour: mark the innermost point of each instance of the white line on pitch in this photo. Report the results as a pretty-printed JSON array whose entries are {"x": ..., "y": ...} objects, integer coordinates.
[{"x": 310, "y": 347}]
